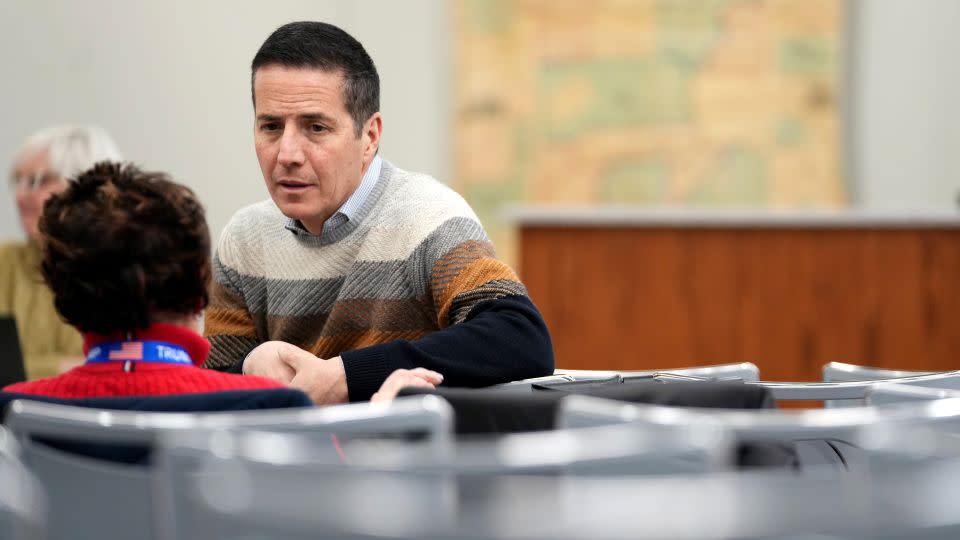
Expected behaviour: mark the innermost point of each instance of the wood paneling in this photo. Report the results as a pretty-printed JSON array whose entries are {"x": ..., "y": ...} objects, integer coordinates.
[{"x": 787, "y": 299}]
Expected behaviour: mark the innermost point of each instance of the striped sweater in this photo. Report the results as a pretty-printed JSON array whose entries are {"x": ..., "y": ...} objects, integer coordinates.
[{"x": 411, "y": 281}]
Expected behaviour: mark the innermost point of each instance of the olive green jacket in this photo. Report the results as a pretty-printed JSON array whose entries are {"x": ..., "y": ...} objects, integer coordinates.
[{"x": 45, "y": 339}]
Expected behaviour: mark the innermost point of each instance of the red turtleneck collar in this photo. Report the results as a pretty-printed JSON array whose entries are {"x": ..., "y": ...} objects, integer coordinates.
[{"x": 196, "y": 345}]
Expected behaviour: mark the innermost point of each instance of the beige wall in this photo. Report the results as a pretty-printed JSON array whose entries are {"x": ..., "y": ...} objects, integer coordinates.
[{"x": 905, "y": 103}]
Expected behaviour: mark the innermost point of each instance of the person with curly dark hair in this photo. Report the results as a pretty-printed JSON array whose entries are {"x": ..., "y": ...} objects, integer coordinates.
[{"x": 126, "y": 254}]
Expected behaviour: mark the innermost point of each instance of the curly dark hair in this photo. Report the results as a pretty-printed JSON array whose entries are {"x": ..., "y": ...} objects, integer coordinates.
[{"x": 122, "y": 246}]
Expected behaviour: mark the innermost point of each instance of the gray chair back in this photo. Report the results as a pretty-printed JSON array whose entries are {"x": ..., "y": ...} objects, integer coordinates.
[
  {"x": 126, "y": 495},
  {"x": 914, "y": 501},
  {"x": 847, "y": 425},
  {"x": 232, "y": 484},
  {"x": 428, "y": 415},
  {"x": 22, "y": 504},
  {"x": 842, "y": 372},
  {"x": 745, "y": 371},
  {"x": 887, "y": 392},
  {"x": 267, "y": 485},
  {"x": 853, "y": 393}
]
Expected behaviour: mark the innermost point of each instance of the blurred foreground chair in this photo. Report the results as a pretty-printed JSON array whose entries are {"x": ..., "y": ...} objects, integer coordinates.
[
  {"x": 95, "y": 464},
  {"x": 270, "y": 485},
  {"x": 841, "y": 372},
  {"x": 493, "y": 411},
  {"x": 824, "y": 438},
  {"x": 853, "y": 393},
  {"x": 845, "y": 385},
  {"x": 257, "y": 485},
  {"x": 910, "y": 501},
  {"x": 850, "y": 392},
  {"x": 886, "y": 392},
  {"x": 744, "y": 371},
  {"x": 22, "y": 505}
]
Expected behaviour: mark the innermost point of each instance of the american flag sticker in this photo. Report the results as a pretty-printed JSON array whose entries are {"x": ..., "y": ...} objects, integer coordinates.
[{"x": 129, "y": 350}]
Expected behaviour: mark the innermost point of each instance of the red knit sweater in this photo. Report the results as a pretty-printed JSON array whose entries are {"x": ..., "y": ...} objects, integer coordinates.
[{"x": 145, "y": 378}]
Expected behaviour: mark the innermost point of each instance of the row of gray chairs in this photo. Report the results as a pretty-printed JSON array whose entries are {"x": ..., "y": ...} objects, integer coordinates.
[
  {"x": 663, "y": 440},
  {"x": 748, "y": 371},
  {"x": 821, "y": 440},
  {"x": 647, "y": 440},
  {"x": 833, "y": 372},
  {"x": 393, "y": 490},
  {"x": 585, "y": 481},
  {"x": 251, "y": 493},
  {"x": 139, "y": 497},
  {"x": 843, "y": 385}
]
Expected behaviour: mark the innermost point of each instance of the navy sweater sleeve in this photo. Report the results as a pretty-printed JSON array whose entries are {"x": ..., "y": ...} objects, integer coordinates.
[
  {"x": 236, "y": 367},
  {"x": 500, "y": 341}
]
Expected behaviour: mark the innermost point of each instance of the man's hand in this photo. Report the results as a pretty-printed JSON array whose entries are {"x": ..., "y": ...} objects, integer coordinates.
[
  {"x": 324, "y": 381},
  {"x": 271, "y": 360},
  {"x": 420, "y": 377}
]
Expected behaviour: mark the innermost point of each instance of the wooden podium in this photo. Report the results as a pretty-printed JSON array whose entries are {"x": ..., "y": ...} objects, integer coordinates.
[{"x": 624, "y": 288}]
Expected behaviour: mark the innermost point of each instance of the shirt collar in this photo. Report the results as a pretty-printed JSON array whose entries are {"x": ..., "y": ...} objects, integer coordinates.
[
  {"x": 348, "y": 210},
  {"x": 196, "y": 345}
]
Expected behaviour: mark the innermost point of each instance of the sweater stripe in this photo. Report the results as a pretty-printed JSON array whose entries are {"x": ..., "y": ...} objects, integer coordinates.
[
  {"x": 472, "y": 276},
  {"x": 356, "y": 315},
  {"x": 463, "y": 303},
  {"x": 231, "y": 321},
  {"x": 231, "y": 348},
  {"x": 367, "y": 279},
  {"x": 350, "y": 341},
  {"x": 452, "y": 263}
]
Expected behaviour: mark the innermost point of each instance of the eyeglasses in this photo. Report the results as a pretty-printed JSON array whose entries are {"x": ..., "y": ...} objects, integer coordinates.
[{"x": 33, "y": 182}]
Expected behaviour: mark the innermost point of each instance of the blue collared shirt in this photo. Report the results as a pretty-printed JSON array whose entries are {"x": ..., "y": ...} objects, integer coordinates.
[{"x": 349, "y": 209}]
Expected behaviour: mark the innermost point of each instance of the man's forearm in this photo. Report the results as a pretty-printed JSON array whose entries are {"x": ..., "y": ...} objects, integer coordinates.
[{"x": 500, "y": 340}]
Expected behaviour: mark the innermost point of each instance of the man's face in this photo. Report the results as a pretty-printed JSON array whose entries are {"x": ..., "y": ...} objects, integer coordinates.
[
  {"x": 309, "y": 152},
  {"x": 34, "y": 183}
]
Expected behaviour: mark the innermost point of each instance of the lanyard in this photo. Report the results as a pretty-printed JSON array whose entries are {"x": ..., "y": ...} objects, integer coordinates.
[{"x": 139, "y": 351}]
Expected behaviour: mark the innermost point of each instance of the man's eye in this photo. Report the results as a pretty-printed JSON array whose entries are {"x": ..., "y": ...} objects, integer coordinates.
[
  {"x": 270, "y": 126},
  {"x": 317, "y": 128}
]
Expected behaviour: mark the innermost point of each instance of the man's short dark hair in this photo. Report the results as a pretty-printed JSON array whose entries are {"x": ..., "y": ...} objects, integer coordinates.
[
  {"x": 325, "y": 47},
  {"x": 122, "y": 247}
]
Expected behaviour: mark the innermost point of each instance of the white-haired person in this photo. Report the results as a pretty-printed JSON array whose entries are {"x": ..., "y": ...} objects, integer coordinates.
[{"x": 41, "y": 168}]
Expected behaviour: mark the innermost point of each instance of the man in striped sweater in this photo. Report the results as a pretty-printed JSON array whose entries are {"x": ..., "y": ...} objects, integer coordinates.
[{"x": 356, "y": 268}]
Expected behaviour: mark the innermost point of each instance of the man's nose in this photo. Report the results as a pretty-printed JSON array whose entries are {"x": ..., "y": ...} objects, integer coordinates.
[{"x": 291, "y": 149}]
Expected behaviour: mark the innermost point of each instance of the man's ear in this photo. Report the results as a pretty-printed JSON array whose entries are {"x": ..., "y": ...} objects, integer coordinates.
[{"x": 372, "y": 130}]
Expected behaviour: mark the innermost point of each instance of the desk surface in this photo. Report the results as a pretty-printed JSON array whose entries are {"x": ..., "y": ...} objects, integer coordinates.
[{"x": 636, "y": 216}]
